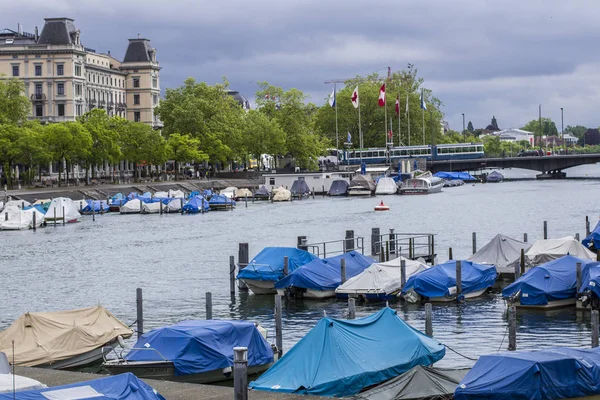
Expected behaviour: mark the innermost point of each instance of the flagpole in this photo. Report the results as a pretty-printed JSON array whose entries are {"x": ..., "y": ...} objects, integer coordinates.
[
  {"x": 337, "y": 140},
  {"x": 385, "y": 116},
  {"x": 408, "y": 112},
  {"x": 359, "y": 126},
  {"x": 399, "y": 129},
  {"x": 423, "y": 123}
]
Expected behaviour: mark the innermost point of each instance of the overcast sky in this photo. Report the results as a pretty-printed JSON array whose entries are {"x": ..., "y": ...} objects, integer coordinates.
[{"x": 480, "y": 57}]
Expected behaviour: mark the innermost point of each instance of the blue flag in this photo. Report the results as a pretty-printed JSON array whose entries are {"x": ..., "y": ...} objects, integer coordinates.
[
  {"x": 349, "y": 137},
  {"x": 332, "y": 98},
  {"x": 423, "y": 105}
]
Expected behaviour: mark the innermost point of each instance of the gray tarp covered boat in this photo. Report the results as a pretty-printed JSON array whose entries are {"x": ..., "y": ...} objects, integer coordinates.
[
  {"x": 500, "y": 251},
  {"x": 339, "y": 187},
  {"x": 418, "y": 383}
]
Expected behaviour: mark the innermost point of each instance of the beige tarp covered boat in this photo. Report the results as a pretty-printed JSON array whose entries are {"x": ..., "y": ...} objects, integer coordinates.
[{"x": 46, "y": 338}]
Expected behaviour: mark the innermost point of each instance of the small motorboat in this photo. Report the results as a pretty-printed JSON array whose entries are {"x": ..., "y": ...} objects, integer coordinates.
[
  {"x": 422, "y": 184},
  {"x": 382, "y": 207},
  {"x": 281, "y": 194}
]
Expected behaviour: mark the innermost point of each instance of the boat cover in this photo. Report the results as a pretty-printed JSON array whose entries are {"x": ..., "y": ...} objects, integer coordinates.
[
  {"x": 592, "y": 241},
  {"x": 58, "y": 205},
  {"x": 262, "y": 192},
  {"x": 17, "y": 203},
  {"x": 342, "y": 357},
  {"x": 420, "y": 382},
  {"x": 119, "y": 387},
  {"x": 207, "y": 193},
  {"x": 363, "y": 182},
  {"x": 268, "y": 264},
  {"x": 175, "y": 194},
  {"x": 555, "y": 373},
  {"x": 300, "y": 188},
  {"x": 200, "y": 346},
  {"x": 132, "y": 206},
  {"x": 243, "y": 192},
  {"x": 11, "y": 211},
  {"x": 494, "y": 177},
  {"x": 22, "y": 219},
  {"x": 450, "y": 176},
  {"x": 500, "y": 251},
  {"x": 546, "y": 250},
  {"x": 96, "y": 205},
  {"x": 439, "y": 279},
  {"x": 133, "y": 195},
  {"x": 174, "y": 204},
  {"x": 161, "y": 195},
  {"x": 118, "y": 200},
  {"x": 153, "y": 207},
  {"x": 281, "y": 194},
  {"x": 590, "y": 278},
  {"x": 46, "y": 337},
  {"x": 554, "y": 280},
  {"x": 195, "y": 204},
  {"x": 325, "y": 274},
  {"x": 381, "y": 278},
  {"x": 221, "y": 200},
  {"x": 386, "y": 186},
  {"x": 229, "y": 192},
  {"x": 21, "y": 383},
  {"x": 339, "y": 187}
]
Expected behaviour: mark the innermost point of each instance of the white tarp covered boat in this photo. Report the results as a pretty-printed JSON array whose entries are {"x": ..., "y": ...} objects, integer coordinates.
[
  {"x": 242, "y": 193},
  {"x": 23, "y": 220},
  {"x": 176, "y": 193},
  {"x": 62, "y": 339},
  {"x": 152, "y": 208},
  {"x": 174, "y": 205},
  {"x": 501, "y": 251},
  {"x": 9, "y": 212},
  {"x": 10, "y": 382},
  {"x": 133, "y": 206},
  {"x": 17, "y": 203},
  {"x": 161, "y": 195},
  {"x": 62, "y": 209},
  {"x": 381, "y": 281},
  {"x": 229, "y": 192},
  {"x": 80, "y": 204},
  {"x": 361, "y": 185},
  {"x": 386, "y": 185},
  {"x": 281, "y": 194},
  {"x": 546, "y": 250}
]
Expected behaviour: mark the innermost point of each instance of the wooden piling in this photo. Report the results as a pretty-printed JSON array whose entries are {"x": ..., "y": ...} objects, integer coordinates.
[
  {"x": 313, "y": 192},
  {"x": 598, "y": 255},
  {"x": 450, "y": 253},
  {"x": 93, "y": 214},
  {"x": 160, "y": 212},
  {"x": 382, "y": 254},
  {"x": 278, "y": 326},
  {"x": 517, "y": 271},
  {"x": 474, "y": 242},
  {"x": 578, "y": 271},
  {"x": 323, "y": 190},
  {"x": 246, "y": 200},
  {"x": 428, "y": 320},
  {"x": 343, "y": 270},
  {"x": 587, "y": 226},
  {"x": 411, "y": 248},
  {"x": 243, "y": 260},
  {"x": 63, "y": 216},
  {"x": 545, "y": 230},
  {"x": 522, "y": 261},
  {"x": 525, "y": 237},
  {"x": 6, "y": 215},
  {"x": 301, "y": 243},
  {"x": 34, "y": 221},
  {"x": 232, "y": 274},
  {"x": 392, "y": 241},
  {"x": 349, "y": 240},
  {"x": 595, "y": 322},
  {"x": 351, "y": 308},
  {"x": 240, "y": 373},
  {"x": 139, "y": 301},
  {"x": 208, "y": 305},
  {"x": 54, "y": 216},
  {"x": 181, "y": 205},
  {"x": 577, "y": 236},
  {"x": 458, "y": 279},
  {"x": 375, "y": 241},
  {"x": 387, "y": 251},
  {"x": 402, "y": 273},
  {"x": 512, "y": 328},
  {"x": 286, "y": 266}
]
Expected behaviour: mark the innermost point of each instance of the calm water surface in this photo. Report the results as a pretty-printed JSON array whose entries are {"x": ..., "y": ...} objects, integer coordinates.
[{"x": 176, "y": 259}]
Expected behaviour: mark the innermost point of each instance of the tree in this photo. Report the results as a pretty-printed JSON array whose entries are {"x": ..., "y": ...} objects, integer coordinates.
[
  {"x": 14, "y": 107},
  {"x": 591, "y": 137},
  {"x": 576, "y": 131},
  {"x": 262, "y": 135},
  {"x": 492, "y": 146},
  {"x": 185, "y": 148},
  {"x": 69, "y": 142},
  {"x": 493, "y": 126},
  {"x": 548, "y": 127},
  {"x": 470, "y": 127},
  {"x": 104, "y": 132}
]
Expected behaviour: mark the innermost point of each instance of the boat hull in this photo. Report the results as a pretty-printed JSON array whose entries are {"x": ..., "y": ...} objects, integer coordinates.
[
  {"x": 260, "y": 287},
  {"x": 359, "y": 192},
  {"x": 551, "y": 304},
  {"x": 444, "y": 299},
  {"x": 409, "y": 190},
  {"x": 88, "y": 358}
]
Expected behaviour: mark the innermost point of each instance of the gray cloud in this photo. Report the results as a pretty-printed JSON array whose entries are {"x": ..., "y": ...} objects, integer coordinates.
[{"x": 480, "y": 57}]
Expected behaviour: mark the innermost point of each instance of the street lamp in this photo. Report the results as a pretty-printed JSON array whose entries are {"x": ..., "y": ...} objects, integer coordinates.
[
  {"x": 464, "y": 130},
  {"x": 562, "y": 128}
]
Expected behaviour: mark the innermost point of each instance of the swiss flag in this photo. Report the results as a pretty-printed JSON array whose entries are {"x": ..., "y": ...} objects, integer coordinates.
[
  {"x": 397, "y": 105},
  {"x": 390, "y": 134},
  {"x": 382, "y": 96},
  {"x": 354, "y": 98}
]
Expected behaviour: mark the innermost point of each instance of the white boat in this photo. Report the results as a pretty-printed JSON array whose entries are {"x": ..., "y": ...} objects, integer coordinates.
[
  {"x": 10, "y": 382},
  {"x": 243, "y": 193},
  {"x": 361, "y": 185},
  {"x": 161, "y": 195},
  {"x": 260, "y": 287},
  {"x": 174, "y": 205},
  {"x": 546, "y": 250},
  {"x": 176, "y": 194},
  {"x": 17, "y": 203},
  {"x": 23, "y": 220},
  {"x": 62, "y": 209},
  {"x": 133, "y": 206},
  {"x": 386, "y": 185},
  {"x": 281, "y": 194},
  {"x": 501, "y": 251},
  {"x": 422, "y": 184},
  {"x": 152, "y": 208},
  {"x": 229, "y": 192}
]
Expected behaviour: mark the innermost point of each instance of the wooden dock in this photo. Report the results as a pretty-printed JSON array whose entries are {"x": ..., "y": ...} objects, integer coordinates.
[{"x": 169, "y": 390}]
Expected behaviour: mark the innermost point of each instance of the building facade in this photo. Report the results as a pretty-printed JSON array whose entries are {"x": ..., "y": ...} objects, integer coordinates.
[{"x": 64, "y": 80}]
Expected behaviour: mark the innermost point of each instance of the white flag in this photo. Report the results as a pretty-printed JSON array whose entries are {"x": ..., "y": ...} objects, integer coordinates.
[
  {"x": 355, "y": 98},
  {"x": 332, "y": 98}
]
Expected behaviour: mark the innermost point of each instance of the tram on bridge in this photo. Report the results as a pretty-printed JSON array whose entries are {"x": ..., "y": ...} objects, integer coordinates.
[{"x": 382, "y": 155}]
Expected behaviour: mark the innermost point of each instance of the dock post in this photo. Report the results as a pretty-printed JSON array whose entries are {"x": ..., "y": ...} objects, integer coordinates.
[
  {"x": 240, "y": 373},
  {"x": 587, "y": 226},
  {"x": 432, "y": 248},
  {"x": 450, "y": 253},
  {"x": 545, "y": 230},
  {"x": 139, "y": 301},
  {"x": 351, "y": 308},
  {"x": 517, "y": 271},
  {"x": 387, "y": 251},
  {"x": 374, "y": 241},
  {"x": 411, "y": 248},
  {"x": 286, "y": 266},
  {"x": 595, "y": 321},
  {"x": 54, "y": 216},
  {"x": 301, "y": 243},
  {"x": 598, "y": 255},
  {"x": 349, "y": 241},
  {"x": 392, "y": 241},
  {"x": 343, "y": 270},
  {"x": 458, "y": 279},
  {"x": 232, "y": 275},
  {"x": 313, "y": 192},
  {"x": 160, "y": 207},
  {"x": 209, "y": 305},
  {"x": 6, "y": 215},
  {"x": 278, "y": 328},
  {"x": 525, "y": 237},
  {"x": 578, "y": 269},
  {"x": 512, "y": 328},
  {"x": 323, "y": 189},
  {"x": 402, "y": 273},
  {"x": 382, "y": 254},
  {"x": 428, "y": 320},
  {"x": 522, "y": 261},
  {"x": 243, "y": 260},
  {"x": 577, "y": 236},
  {"x": 63, "y": 215},
  {"x": 34, "y": 221},
  {"x": 474, "y": 242},
  {"x": 141, "y": 206},
  {"x": 246, "y": 200}
]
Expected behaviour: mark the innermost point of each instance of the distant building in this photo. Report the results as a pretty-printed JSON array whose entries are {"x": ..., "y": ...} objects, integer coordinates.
[
  {"x": 63, "y": 79},
  {"x": 239, "y": 98},
  {"x": 514, "y": 135},
  {"x": 570, "y": 139}
]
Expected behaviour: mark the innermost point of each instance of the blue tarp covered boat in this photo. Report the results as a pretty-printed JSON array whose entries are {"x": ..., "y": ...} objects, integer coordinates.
[
  {"x": 220, "y": 202},
  {"x": 589, "y": 293},
  {"x": 120, "y": 387},
  {"x": 118, "y": 200},
  {"x": 342, "y": 357},
  {"x": 592, "y": 241},
  {"x": 195, "y": 205},
  {"x": 197, "y": 347},
  {"x": 320, "y": 277},
  {"x": 438, "y": 283},
  {"x": 553, "y": 284},
  {"x": 97, "y": 206},
  {"x": 300, "y": 188},
  {"x": 267, "y": 267},
  {"x": 494, "y": 177},
  {"x": 38, "y": 207},
  {"x": 556, "y": 373},
  {"x": 449, "y": 176}
]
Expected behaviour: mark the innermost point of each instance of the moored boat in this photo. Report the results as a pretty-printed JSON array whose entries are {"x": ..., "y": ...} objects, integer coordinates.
[
  {"x": 545, "y": 250},
  {"x": 494, "y": 177},
  {"x": 262, "y": 193},
  {"x": 501, "y": 251},
  {"x": 62, "y": 209},
  {"x": 229, "y": 192},
  {"x": 281, "y": 194},
  {"x": 386, "y": 185},
  {"x": 361, "y": 185},
  {"x": 422, "y": 184},
  {"x": 221, "y": 202},
  {"x": 242, "y": 194},
  {"x": 339, "y": 187},
  {"x": 300, "y": 189}
]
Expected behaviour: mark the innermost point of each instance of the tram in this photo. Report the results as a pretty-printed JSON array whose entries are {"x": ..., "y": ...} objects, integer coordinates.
[{"x": 381, "y": 155}]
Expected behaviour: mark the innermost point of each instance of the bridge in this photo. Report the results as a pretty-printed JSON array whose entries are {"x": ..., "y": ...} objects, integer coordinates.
[{"x": 550, "y": 166}]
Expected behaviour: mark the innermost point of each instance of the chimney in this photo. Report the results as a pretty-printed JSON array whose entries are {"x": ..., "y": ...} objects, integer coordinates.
[
  {"x": 139, "y": 36},
  {"x": 109, "y": 52},
  {"x": 37, "y": 36}
]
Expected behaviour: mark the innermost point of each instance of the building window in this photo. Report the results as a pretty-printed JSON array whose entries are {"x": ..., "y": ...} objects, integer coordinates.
[
  {"x": 136, "y": 116},
  {"x": 38, "y": 89},
  {"x": 136, "y": 99},
  {"x": 155, "y": 83},
  {"x": 38, "y": 70},
  {"x": 78, "y": 70},
  {"x": 60, "y": 69},
  {"x": 155, "y": 99},
  {"x": 78, "y": 90},
  {"x": 39, "y": 110},
  {"x": 60, "y": 89},
  {"x": 136, "y": 82},
  {"x": 15, "y": 70},
  {"x": 111, "y": 81},
  {"x": 61, "y": 110},
  {"x": 272, "y": 181}
]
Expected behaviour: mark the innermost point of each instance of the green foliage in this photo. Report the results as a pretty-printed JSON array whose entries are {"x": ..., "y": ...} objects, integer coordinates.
[
  {"x": 262, "y": 135},
  {"x": 549, "y": 127},
  {"x": 69, "y": 141},
  {"x": 492, "y": 146},
  {"x": 185, "y": 148},
  {"x": 493, "y": 126},
  {"x": 577, "y": 131},
  {"x": 104, "y": 132},
  {"x": 470, "y": 127},
  {"x": 14, "y": 106}
]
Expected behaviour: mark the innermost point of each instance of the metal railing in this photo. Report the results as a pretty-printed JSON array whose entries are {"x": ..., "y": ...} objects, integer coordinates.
[
  {"x": 333, "y": 247},
  {"x": 408, "y": 245}
]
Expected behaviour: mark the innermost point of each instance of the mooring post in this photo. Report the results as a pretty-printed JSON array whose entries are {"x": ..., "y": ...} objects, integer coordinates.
[
  {"x": 392, "y": 241},
  {"x": 387, "y": 251},
  {"x": 323, "y": 190},
  {"x": 243, "y": 260},
  {"x": 517, "y": 271},
  {"x": 240, "y": 373},
  {"x": 598, "y": 255},
  {"x": 286, "y": 266},
  {"x": 578, "y": 270},
  {"x": 160, "y": 212},
  {"x": 208, "y": 305},
  {"x": 313, "y": 192},
  {"x": 301, "y": 243},
  {"x": 139, "y": 301},
  {"x": 232, "y": 274},
  {"x": 525, "y": 237},
  {"x": 63, "y": 215},
  {"x": 34, "y": 221},
  {"x": 577, "y": 236},
  {"x": 402, "y": 273},
  {"x": 512, "y": 328},
  {"x": 278, "y": 328},
  {"x": 450, "y": 253},
  {"x": 375, "y": 241},
  {"x": 6, "y": 215},
  {"x": 522, "y": 261},
  {"x": 545, "y": 230},
  {"x": 411, "y": 248},
  {"x": 382, "y": 254},
  {"x": 343, "y": 270},
  {"x": 351, "y": 308},
  {"x": 54, "y": 216},
  {"x": 349, "y": 241},
  {"x": 595, "y": 322},
  {"x": 246, "y": 200},
  {"x": 428, "y": 320},
  {"x": 587, "y": 226},
  {"x": 458, "y": 279},
  {"x": 141, "y": 204},
  {"x": 474, "y": 242}
]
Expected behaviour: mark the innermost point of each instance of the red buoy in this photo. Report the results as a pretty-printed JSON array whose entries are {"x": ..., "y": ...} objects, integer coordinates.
[{"x": 382, "y": 207}]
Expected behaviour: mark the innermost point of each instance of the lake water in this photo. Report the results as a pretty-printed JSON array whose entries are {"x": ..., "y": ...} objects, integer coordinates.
[{"x": 176, "y": 259}]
